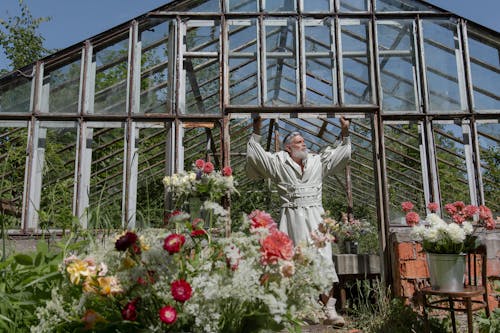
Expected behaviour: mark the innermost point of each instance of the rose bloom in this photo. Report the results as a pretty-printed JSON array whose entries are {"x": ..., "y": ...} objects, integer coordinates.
[
  {"x": 198, "y": 233},
  {"x": 173, "y": 243},
  {"x": 412, "y": 218},
  {"x": 126, "y": 241},
  {"x": 181, "y": 290},
  {"x": 208, "y": 168},
  {"x": 407, "y": 206},
  {"x": 200, "y": 164},
  {"x": 261, "y": 219},
  {"x": 277, "y": 245},
  {"x": 129, "y": 311},
  {"x": 433, "y": 207},
  {"x": 227, "y": 171},
  {"x": 168, "y": 315}
]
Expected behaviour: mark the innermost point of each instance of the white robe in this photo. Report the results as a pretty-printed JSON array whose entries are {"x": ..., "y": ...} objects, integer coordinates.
[{"x": 299, "y": 191}]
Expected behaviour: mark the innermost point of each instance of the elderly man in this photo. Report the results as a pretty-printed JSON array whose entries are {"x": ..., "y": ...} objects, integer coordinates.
[{"x": 298, "y": 175}]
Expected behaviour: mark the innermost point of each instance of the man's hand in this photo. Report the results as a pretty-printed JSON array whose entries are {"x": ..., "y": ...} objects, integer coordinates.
[
  {"x": 344, "y": 126},
  {"x": 257, "y": 124}
]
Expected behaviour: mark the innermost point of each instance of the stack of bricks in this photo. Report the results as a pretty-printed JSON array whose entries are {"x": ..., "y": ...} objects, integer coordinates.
[{"x": 411, "y": 273}]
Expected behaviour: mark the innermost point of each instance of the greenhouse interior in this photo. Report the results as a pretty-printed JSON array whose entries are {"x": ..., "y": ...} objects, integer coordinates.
[{"x": 87, "y": 134}]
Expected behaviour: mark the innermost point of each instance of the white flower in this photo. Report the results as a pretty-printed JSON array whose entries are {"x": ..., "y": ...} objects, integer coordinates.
[
  {"x": 468, "y": 228},
  {"x": 456, "y": 233}
]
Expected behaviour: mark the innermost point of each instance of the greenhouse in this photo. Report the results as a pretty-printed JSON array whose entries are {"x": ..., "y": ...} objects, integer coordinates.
[{"x": 87, "y": 134}]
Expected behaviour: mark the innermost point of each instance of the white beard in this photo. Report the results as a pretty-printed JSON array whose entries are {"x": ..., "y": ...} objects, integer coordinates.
[{"x": 299, "y": 154}]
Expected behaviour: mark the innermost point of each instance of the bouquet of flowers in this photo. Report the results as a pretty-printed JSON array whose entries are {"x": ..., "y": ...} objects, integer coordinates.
[
  {"x": 456, "y": 236},
  {"x": 182, "y": 279}
]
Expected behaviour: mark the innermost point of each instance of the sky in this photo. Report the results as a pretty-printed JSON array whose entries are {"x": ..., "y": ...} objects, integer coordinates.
[{"x": 73, "y": 21}]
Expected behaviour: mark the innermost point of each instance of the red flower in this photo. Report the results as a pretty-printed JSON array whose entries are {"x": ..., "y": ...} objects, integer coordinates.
[
  {"x": 412, "y": 218},
  {"x": 261, "y": 219},
  {"x": 197, "y": 233},
  {"x": 470, "y": 210},
  {"x": 208, "y": 168},
  {"x": 173, "y": 243},
  {"x": 484, "y": 213},
  {"x": 129, "y": 311},
  {"x": 433, "y": 207},
  {"x": 407, "y": 206},
  {"x": 450, "y": 209},
  {"x": 181, "y": 290},
  {"x": 167, "y": 217},
  {"x": 459, "y": 205},
  {"x": 227, "y": 171},
  {"x": 277, "y": 245},
  {"x": 200, "y": 164},
  {"x": 490, "y": 223},
  {"x": 458, "y": 218},
  {"x": 126, "y": 241},
  {"x": 168, "y": 315}
]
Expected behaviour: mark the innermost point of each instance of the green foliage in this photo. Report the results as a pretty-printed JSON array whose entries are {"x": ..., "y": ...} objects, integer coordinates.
[
  {"x": 19, "y": 38},
  {"x": 490, "y": 324},
  {"x": 26, "y": 283}
]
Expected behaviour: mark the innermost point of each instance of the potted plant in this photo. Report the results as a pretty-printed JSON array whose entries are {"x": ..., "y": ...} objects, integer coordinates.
[{"x": 447, "y": 242}]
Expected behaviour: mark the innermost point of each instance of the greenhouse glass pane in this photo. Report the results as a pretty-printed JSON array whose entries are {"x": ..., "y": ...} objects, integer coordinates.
[
  {"x": 443, "y": 61},
  {"x": 243, "y": 74},
  {"x": 279, "y": 5},
  {"x": 402, "y": 6},
  {"x": 489, "y": 152},
  {"x": 111, "y": 78},
  {"x": 152, "y": 150},
  {"x": 13, "y": 141},
  {"x": 201, "y": 143},
  {"x": 155, "y": 42},
  {"x": 452, "y": 168},
  {"x": 397, "y": 65},
  {"x": 204, "y": 6},
  {"x": 354, "y": 5},
  {"x": 15, "y": 95},
  {"x": 484, "y": 53},
  {"x": 403, "y": 169},
  {"x": 355, "y": 62},
  {"x": 243, "y": 6},
  {"x": 320, "y": 63},
  {"x": 106, "y": 178},
  {"x": 62, "y": 86},
  {"x": 281, "y": 62},
  {"x": 203, "y": 38},
  {"x": 59, "y": 151},
  {"x": 202, "y": 85},
  {"x": 317, "y": 5}
]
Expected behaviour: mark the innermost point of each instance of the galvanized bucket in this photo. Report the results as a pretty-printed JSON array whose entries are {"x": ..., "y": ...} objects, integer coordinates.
[{"x": 447, "y": 271}]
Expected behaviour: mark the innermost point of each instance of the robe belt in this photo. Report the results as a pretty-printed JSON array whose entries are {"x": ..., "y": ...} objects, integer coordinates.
[{"x": 303, "y": 202}]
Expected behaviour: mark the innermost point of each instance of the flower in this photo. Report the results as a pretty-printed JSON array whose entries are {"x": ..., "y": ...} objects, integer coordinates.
[
  {"x": 261, "y": 219},
  {"x": 277, "y": 245},
  {"x": 168, "y": 315},
  {"x": 126, "y": 241},
  {"x": 227, "y": 171},
  {"x": 200, "y": 164},
  {"x": 173, "y": 243},
  {"x": 208, "y": 168},
  {"x": 181, "y": 290},
  {"x": 407, "y": 206},
  {"x": 287, "y": 269},
  {"x": 129, "y": 311},
  {"x": 198, "y": 233},
  {"x": 456, "y": 236}
]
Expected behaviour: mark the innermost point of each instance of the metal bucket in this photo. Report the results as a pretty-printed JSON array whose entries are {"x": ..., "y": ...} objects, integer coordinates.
[{"x": 447, "y": 271}]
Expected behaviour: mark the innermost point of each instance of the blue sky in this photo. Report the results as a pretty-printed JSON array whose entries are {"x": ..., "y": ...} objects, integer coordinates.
[{"x": 75, "y": 20}]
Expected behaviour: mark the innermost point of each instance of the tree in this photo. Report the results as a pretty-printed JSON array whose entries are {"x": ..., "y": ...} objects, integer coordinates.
[{"x": 19, "y": 39}]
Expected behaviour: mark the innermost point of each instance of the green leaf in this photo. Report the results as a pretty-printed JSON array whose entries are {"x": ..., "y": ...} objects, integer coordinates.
[
  {"x": 42, "y": 247},
  {"x": 23, "y": 259},
  {"x": 42, "y": 278}
]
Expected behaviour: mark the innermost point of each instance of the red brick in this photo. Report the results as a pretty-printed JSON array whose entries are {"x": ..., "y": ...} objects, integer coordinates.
[
  {"x": 414, "y": 269},
  {"x": 406, "y": 251},
  {"x": 407, "y": 288},
  {"x": 493, "y": 268}
]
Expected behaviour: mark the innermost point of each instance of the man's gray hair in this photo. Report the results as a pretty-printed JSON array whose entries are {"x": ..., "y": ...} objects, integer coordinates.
[{"x": 289, "y": 137}]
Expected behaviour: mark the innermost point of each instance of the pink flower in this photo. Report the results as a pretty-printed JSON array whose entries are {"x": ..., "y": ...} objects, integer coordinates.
[
  {"x": 459, "y": 205},
  {"x": 200, "y": 164},
  {"x": 129, "y": 311},
  {"x": 181, "y": 290},
  {"x": 196, "y": 221},
  {"x": 458, "y": 218},
  {"x": 407, "y": 206},
  {"x": 470, "y": 210},
  {"x": 208, "y": 168},
  {"x": 277, "y": 245},
  {"x": 168, "y": 315},
  {"x": 433, "y": 207},
  {"x": 450, "y": 209},
  {"x": 227, "y": 171},
  {"x": 412, "y": 218},
  {"x": 173, "y": 243},
  {"x": 484, "y": 213},
  {"x": 261, "y": 219},
  {"x": 490, "y": 223}
]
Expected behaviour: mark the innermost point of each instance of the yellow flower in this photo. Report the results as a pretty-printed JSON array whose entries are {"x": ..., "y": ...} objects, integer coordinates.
[
  {"x": 144, "y": 245},
  {"x": 89, "y": 286},
  {"x": 128, "y": 262},
  {"x": 76, "y": 269},
  {"x": 166, "y": 181},
  {"x": 109, "y": 285}
]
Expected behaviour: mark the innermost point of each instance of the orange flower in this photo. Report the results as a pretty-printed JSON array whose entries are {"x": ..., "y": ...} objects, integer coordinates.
[{"x": 277, "y": 245}]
